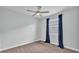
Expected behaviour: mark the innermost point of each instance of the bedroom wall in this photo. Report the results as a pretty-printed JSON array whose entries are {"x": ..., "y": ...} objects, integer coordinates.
[
  {"x": 42, "y": 29},
  {"x": 70, "y": 28},
  {"x": 16, "y": 29}
]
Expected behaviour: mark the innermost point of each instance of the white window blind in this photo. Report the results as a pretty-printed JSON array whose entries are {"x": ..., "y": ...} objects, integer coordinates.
[{"x": 53, "y": 30}]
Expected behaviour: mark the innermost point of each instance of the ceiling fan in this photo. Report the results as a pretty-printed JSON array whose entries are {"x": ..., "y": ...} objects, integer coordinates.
[{"x": 38, "y": 11}]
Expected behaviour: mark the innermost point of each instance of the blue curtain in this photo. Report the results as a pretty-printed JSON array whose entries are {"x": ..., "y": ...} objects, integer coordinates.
[
  {"x": 60, "y": 35},
  {"x": 47, "y": 31}
]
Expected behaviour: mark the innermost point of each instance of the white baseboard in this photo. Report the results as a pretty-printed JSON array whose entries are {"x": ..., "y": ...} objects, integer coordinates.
[
  {"x": 68, "y": 47},
  {"x": 41, "y": 39},
  {"x": 17, "y": 45},
  {"x": 34, "y": 41},
  {"x": 72, "y": 48}
]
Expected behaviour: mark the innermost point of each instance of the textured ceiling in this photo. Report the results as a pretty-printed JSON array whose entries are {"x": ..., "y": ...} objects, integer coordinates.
[{"x": 22, "y": 9}]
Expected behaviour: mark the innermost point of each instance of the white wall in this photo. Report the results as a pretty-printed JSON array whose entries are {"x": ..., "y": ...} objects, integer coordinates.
[
  {"x": 42, "y": 29},
  {"x": 16, "y": 29},
  {"x": 70, "y": 28}
]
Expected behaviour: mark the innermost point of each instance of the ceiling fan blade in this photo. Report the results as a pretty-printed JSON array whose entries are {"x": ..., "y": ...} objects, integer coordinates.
[
  {"x": 31, "y": 11},
  {"x": 34, "y": 14},
  {"x": 44, "y": 12}
]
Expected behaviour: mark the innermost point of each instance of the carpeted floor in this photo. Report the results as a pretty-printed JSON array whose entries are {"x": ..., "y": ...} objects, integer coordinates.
[{"x": 38, "y": 47}]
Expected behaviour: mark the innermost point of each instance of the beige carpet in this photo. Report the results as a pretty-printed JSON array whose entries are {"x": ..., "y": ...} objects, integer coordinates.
[{"x": 38, "y": 47}]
